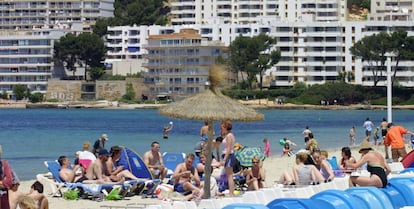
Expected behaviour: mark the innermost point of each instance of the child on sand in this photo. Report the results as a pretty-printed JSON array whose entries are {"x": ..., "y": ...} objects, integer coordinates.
[{"x": 267, "y": 147}]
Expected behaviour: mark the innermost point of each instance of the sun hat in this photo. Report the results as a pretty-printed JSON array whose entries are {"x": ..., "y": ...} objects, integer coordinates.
[
  {"x": 105, "y": 137},
  {"x": 103, "y": 152},
  {"x": 365, "y": 145},
  {"x": 238, "y": 146}
]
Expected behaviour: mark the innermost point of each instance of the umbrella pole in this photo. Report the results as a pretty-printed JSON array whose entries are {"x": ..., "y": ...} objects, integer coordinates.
[{"x": 207, "y": 168}]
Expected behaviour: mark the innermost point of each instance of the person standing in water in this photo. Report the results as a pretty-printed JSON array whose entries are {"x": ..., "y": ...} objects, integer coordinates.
[
  {"x": 368, "y": 125},
  {"x": 167, "y": 130},
  {"x": 352, "y": 136}
]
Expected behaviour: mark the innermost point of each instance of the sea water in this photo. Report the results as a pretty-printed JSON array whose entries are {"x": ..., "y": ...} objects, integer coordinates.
[{"x": 31, "y": 136}]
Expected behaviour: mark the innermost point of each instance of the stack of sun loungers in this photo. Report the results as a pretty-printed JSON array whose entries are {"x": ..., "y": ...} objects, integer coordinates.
[{"x": 398, "y": 194}]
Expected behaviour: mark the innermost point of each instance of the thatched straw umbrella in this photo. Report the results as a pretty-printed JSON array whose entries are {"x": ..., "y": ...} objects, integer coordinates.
[{"x": 209, "y": 106}]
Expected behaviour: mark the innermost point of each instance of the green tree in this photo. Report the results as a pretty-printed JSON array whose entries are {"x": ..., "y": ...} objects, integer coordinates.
[
  {"x": 36, "y": 97},
  {"x": 93, "y": 50},
  {"x": 85, "y": 50},
  {"x": 96, "y": 73},
  {"x": 67, "y": 52},
  {"x": 253, "y": 56},
  {"x": 19, "y": 91},
  {"x": 130, "y": 92},
  {"x": 267, "y": 57},
  {"x": 373, "y": 49}
]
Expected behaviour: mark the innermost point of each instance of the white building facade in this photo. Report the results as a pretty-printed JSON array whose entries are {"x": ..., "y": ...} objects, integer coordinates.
[
  {"x": 184, "y": 12},
  {"x": 47, "y": 14},
  {"x": 312, "y": 52},
  {"x": 26, "y": 58}
]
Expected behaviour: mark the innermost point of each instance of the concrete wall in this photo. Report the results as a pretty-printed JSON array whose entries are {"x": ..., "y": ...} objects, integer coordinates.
[
  {"x": 64, "y": 90},
  {"x": 110, "y": 90}
]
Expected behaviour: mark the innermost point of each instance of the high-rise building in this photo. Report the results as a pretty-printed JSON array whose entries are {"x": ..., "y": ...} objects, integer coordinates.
[
  {"x": 26, "y": 59},
  {"x": 391, "y": 10},
  {"x": 311, "y": 52},
  {"x": 184, "y": 12},
  {"x": 47, "y": 14}
]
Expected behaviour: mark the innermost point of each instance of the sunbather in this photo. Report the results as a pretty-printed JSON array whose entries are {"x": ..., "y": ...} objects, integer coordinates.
[
  {"x": 255, "y": 176},
  {"x": 69, "y": 174},
  {"x": 201, "y": 165},
  {"x": 14, "y": 195},
  {"x": 97, "y": 172},
  {"x": 26, "y": 202},
  {"x": 323, "y": 165},
  {"x": 118, "y": 167},
  {"x": 36, "y": 193},
  {"x": 184, "y": 174},
  {"x": 153, "y": 160},
  {"x": 302, "y": 174}
]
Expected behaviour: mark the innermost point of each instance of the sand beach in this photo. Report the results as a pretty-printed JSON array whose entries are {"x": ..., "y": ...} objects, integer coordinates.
[{"x": 274, "y": 166}]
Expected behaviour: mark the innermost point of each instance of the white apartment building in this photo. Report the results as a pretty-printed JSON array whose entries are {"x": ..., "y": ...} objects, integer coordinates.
[
  {"x": 391, "y": 10},
  {"x": 312, "y": 52},
  {"x": 26, "y": 59},
  {"x": 184, "y": 12},
  {"x": 47, "y": 14},
  {"x": 179, "y": 63}
]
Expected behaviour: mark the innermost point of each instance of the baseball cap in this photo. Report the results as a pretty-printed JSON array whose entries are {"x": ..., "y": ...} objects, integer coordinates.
[
  {"x": 103, "y": 152},
  {"x": 105, "y": 136}
]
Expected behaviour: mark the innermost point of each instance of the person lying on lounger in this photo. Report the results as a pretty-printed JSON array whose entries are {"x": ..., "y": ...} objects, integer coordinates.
[
  {"x": 69, "y": 174},
  {"x": 118, "y": 167}
]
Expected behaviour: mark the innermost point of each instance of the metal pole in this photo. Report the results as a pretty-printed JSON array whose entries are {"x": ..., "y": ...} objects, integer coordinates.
[
  {"x": 389, "y": 102},
  {"x": 389, "y": 90}
]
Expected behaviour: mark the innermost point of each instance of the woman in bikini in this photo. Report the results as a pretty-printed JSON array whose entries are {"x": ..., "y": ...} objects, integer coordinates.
[
  {"x": 255, "y": 176},
  {"x": 376, "y": 165},
  {"x": 347, "y": 156}
]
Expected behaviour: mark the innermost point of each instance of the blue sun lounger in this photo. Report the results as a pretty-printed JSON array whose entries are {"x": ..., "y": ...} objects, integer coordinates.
[{"x": 91, "y": 189}]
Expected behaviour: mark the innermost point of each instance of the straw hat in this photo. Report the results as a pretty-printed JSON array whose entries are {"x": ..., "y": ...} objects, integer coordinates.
[
  {"x": 365, "y": 145},
  {"x": 238, "y": 146}
]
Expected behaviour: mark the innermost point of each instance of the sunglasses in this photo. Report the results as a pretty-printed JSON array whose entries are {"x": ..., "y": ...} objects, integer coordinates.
[{"x": 255, "y": 162}]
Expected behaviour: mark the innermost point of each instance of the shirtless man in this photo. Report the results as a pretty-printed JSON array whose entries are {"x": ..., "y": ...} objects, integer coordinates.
[
  {"x": 14, "y": 195},
  {"x": 204, "y": 131},
  {"x": 67, "y": 174},
  {"x": 97, "y": 172},
  {"x": 184, "y": 174},
  {"x": 36, "y": 193},
  {"x": 154, "y": 162}
]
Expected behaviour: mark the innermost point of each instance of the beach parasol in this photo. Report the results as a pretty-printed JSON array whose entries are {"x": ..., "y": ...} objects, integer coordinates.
[
  {"x": 245, "y": 155},
  {"x": 209, "y": 106}
]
